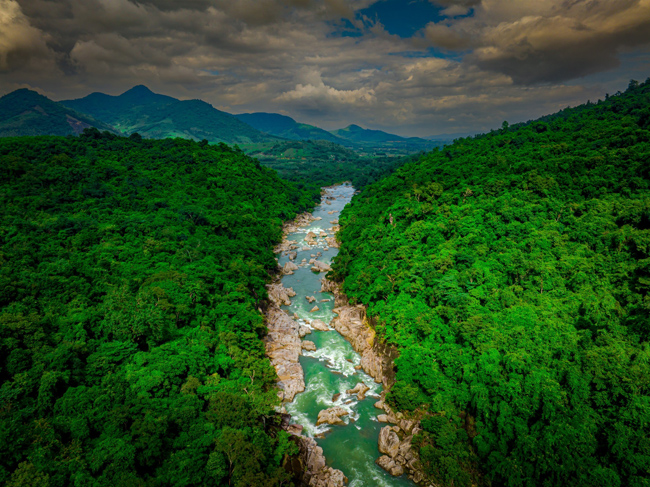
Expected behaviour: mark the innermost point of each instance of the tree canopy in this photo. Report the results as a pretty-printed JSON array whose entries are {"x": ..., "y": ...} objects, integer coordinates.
[
  {"x": 512, "y": 271},
  {"x": 131, "y": 273}
]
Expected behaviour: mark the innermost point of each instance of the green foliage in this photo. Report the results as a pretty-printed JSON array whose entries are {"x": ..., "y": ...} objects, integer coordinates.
[
  {"x": 131, "y": 272},
  {"x": 25, "y": 112},
  {"x": 139, "y": 110},
  {"x": 512, "y": 272},
  {"x": 320, "y": 163}
]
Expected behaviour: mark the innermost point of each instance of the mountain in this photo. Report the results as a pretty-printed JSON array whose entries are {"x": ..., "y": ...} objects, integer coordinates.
[
  {"x": 287, "y": 127},
  {"x": 158, "y": 116},
  {"x": 25, "y": 112},
  {"x": 368, "y": 137},
  {"x": 511, "y": 271}
]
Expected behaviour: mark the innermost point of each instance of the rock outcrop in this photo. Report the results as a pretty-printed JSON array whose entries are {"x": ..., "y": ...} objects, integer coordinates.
[
  {"x": 309, "y": 346},
  {"x": 331, "y": 242},
  {"x": 332, "y": 415},
  {"x": 304, "y": 331},
  {"x": 312, "y": 467},
  {"x": 283, "y": 347},
  {"x": 280, "y": 295}
]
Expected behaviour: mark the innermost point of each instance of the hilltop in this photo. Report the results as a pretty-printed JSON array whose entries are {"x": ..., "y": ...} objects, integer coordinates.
[
  {"x": 159, "y": 116},
  {"x": 26, "y": 112}
]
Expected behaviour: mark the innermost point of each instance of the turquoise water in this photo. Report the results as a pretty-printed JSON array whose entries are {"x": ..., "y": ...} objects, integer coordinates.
[{"x": 329, "y": 370}]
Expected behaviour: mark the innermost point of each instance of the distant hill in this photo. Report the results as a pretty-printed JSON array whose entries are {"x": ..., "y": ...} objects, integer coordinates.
[
  {"x": 287, "y": 127},
  {"x": 25, "y": 112},
  {"x": 158, "y": 116},
  {"x": 367, "y": 137}
]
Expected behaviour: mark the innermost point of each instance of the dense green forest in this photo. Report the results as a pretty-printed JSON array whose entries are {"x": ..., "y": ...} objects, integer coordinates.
[
  {"x": 321, "y": 163},
  {"x": 131, "y": 272},
  {"x": 512, "y": 272}
]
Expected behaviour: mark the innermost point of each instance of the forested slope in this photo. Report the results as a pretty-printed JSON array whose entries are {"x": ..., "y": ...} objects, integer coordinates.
[
  {"x": 512, "y": 271},
  {"x": 131, "y": 272}
]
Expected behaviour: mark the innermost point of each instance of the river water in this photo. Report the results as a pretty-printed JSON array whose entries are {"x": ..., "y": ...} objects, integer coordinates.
[{"x": 330, "y": 370}]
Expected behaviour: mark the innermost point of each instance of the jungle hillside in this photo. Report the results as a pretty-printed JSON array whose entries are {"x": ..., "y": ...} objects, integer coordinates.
[{"x": 511, "y": 270}]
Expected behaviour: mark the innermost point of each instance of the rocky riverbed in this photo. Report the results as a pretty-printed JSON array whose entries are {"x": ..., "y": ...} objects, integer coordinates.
[{"x": 332, "y": 383}]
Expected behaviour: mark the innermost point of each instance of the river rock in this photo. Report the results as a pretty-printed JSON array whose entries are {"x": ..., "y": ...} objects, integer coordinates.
[
  {"x": 382, "y": 418},
  {"x": 279, "y": 295},
  {"x": 323, "y": 233},
  {"x": 336, "y": 396},
  {"x": 319, "y": 325},
  {"x": 283, "y": 348},
  {"x": 360, "y": 390},
  {"x": 288, "y": 268},
  {"x": 331, "y": 416},
  {"x": 315, "y": 471},
  {"x": 304, "y": 331},
  {"x": 388, "y": 464},
  {"x": 327, "y": 286},
  {"x": 309, "y": 346},
  {"x": 331, "y": 242},
  {"x": 314, "y": 309},
  {"x": 379, "y": 404},
  {"x": 334, "y": 222},
  {"x": 293, "y": 255},
  {"x": 310, "y": 299},
  {"x": 388, "y": 442},
  {"x": 284, "y": 246},
  {"x": 321, "y": 267}
]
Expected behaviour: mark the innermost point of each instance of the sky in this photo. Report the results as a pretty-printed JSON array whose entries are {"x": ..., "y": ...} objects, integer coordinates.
[{"x": 411, "y": 67}]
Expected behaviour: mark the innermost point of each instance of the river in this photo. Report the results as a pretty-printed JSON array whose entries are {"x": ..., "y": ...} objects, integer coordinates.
[{"x": 330, "y": 370}]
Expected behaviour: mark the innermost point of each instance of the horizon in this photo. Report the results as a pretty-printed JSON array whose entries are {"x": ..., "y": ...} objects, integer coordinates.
[{"x": 422, "y": 68}]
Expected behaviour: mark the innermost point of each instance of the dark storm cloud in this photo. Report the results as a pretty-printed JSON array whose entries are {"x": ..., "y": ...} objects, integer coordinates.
[
  {"x": 536, "y": 41},
  {"x": 287, "y": 56}
]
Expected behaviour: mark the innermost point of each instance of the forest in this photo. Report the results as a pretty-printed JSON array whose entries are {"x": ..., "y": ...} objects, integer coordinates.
[
  {"x": 131, "y": 276},
  {"x": 512, "y": 272}
]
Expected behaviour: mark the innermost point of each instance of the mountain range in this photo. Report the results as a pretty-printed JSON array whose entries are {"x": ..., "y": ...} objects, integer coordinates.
[
  {"x": 152, "y": 115},
  {"x": 25, "y": 112}
]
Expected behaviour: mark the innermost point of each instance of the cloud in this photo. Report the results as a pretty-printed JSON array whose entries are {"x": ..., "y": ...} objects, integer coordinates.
[
  {"x": 536, "y": 41},
  {"x": 21, "y": 45},
  {"x": 500, "y": 59},
  {"x": 314, "y": 95}
]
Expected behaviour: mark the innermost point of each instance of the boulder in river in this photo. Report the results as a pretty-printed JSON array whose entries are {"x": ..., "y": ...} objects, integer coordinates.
[
  {"x": 310, "y": 299},
  {"x": 288, "y": 268},
  {"x": 304, "y": 331},
  {"x": 336, "y": 396},
  {"x": 320, "y": 266},
  {"x": 314, "y": 309},
  {"x": 293, "y": 255},
  {"x": 332, "y": 415},
  {"x": 388, "y": 442},
  {"x": 388, "y": 464},
  {"x": 309, "y": 346},
  {"x": 319, "y": 325},
  {"x": 360, "y": 390}
]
